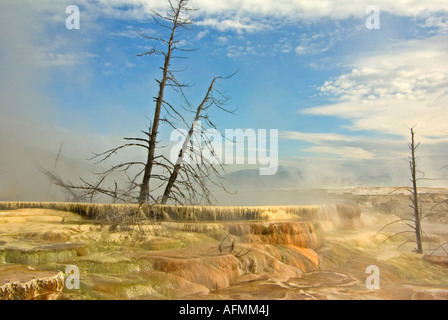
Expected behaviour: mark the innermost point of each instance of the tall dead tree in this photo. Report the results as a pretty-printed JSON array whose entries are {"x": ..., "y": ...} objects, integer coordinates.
[
  {"x": 417, "y": 214},
  {"x": 175, "y": 19},
  {"x": 415, "y": 222}
]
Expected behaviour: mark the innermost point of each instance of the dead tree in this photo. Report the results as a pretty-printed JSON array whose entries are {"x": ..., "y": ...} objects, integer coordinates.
[
  {"x": 182, "y": 152},
  {"x": 231, "y": 248},
  {"x": 191, "y": 183},
  {"x": 415, "y": 222},
  {"x": 196, "y": 171},
  {"x": 175, "y": 19},
  {"x": 417, "y": 214}
]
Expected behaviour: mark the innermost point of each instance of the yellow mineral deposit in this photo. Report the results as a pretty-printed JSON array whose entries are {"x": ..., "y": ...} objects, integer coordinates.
[{"x": 211, "y": 252}]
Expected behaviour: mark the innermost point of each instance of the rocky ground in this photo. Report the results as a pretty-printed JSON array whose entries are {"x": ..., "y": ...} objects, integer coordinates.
[{"x": 320, "y": 254}]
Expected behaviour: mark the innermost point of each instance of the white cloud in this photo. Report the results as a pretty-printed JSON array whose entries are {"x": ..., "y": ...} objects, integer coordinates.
[
  {"x": 238, "y": 26},
  {"x": 349, "y": 146},
  {"x": 202, "y": 34},
  {"x": 132, "y": 32},
  {"x": 392, "y": 91},
  {"x": 344, "y": 152},
  {"x": 243, "y": 15},
  {"x": 222, "y": 40},
  {"x": 439, "y": 22},
  {"x": 309, "y": 9},
  {"x": 283, "y": 45},
  {"x": 316, "y": 43},
  {"x": 243, "y": 10},
  {"x": 314, "y": 137},
  {"x": 234, "y": 51}
]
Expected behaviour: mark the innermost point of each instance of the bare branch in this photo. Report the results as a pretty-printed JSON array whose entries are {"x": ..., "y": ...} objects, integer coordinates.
[
  {"x": 393, "y": 222},
  {"x": 394, "y": 235}
]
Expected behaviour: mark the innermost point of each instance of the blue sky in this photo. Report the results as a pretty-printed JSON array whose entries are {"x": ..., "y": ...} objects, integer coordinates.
[{"x": 341, "y": 96}]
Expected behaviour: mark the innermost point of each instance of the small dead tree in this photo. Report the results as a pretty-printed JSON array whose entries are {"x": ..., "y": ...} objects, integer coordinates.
[
  {"x": 415, "y": 222},
  {"x": 232, "y": 247},
  {"x": 417, "y": 213}
]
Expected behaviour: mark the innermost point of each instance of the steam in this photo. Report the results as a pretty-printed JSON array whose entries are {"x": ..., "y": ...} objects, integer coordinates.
[
  {"x": 30, "y": 132},
  {"x": 22, "y": 107}
]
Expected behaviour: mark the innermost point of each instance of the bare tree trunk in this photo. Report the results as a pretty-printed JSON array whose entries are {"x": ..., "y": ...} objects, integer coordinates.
[
  {"x": 144, "y": 188},
  {"x": 417, "y": 213},
  {"x": 180, "y": 158}
]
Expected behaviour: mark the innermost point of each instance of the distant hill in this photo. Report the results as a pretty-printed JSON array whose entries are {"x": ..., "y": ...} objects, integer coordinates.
[
  {"x": 287, "y": 178},
  {"x": 251, "y": 178},
  {"x": 292, "y": 186}
]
